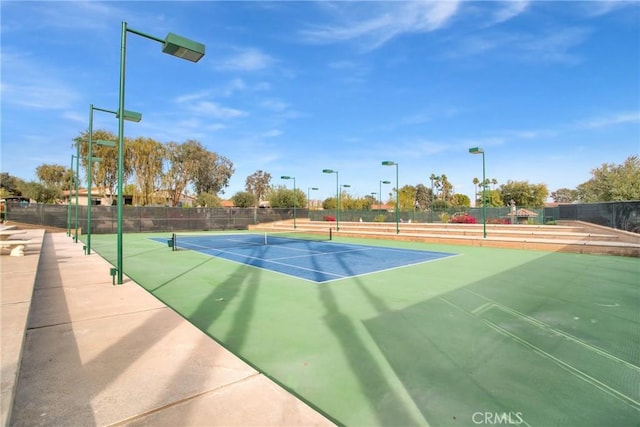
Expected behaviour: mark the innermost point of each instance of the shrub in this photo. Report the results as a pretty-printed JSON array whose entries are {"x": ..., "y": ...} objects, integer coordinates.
[
  {"x": 328, "y": 218},
  {"x": 463, "y": 218},
  {"x": 380, "y": 218},
  {"x": 444, "y": 217}
]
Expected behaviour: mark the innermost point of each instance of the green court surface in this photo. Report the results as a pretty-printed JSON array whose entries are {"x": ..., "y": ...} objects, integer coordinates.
[{"x": 492, "y": 336}]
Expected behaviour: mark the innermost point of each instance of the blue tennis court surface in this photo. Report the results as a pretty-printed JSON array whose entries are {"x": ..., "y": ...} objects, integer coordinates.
[{"x": 314, "y": 260}]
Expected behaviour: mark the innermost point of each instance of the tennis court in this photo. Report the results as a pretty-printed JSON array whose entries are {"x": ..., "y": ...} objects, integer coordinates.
[
  {"x": 303, "y": 255},
  {"x": 491, "y": 336}
]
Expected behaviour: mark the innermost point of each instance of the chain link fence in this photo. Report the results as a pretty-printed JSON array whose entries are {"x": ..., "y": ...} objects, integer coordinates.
[
  {"x": 104, "y": 219},
  {"x": 620, "y": 215}
]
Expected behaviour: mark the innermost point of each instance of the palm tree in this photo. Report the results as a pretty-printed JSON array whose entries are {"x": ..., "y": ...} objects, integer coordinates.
[{"x": 476, "y": 182}]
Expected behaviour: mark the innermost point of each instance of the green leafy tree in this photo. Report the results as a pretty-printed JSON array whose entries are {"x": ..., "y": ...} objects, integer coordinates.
[
  {"x": 213, "y": 173},
  {"x": 282, "y": 197},
  {"x": 423, "y": 197},
  {"x": 184, "y": 161},
  {"x": 53, "y": 176},
  {"x": 105, "y": 172},
  {"x": 524, "y": 194},
  {"x": 258, "y": 184},
  {"x": 446, "y": 187},
  {"x": 10, "y": 184},
  {"x": 407, "y": 197},
  {"x": 208, "y": 200},
  {"x": 329, "y": 203},
  {"x": 38, "y": 192},
  {"x": 461, "y": 200},
  {"x": 611, "y": 182},
  {"x": 494, "y": 199},
  {"x": 244, "y": 199},
  {"x": 147, "y": 158},
  {"x": 564, "y": 195}
]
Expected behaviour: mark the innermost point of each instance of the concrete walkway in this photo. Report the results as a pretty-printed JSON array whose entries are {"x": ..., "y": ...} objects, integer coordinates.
[{"x": 77, "y": 351}]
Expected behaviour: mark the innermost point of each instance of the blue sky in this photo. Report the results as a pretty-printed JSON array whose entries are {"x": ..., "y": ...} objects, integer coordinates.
[{"x": 550, "y": 90}]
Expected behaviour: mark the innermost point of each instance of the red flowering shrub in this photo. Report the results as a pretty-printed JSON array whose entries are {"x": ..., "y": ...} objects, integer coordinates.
[
  {"x": 328, "y": 218},
  {"x": 463, "y": 218}
]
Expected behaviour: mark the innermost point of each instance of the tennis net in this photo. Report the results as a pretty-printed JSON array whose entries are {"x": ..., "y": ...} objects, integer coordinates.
[{"x": 235, "y": 240}]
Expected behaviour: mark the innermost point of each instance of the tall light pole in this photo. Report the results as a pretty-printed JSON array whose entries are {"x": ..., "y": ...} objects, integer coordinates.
[
  {"x": 382, "y": 182},
  {"x": 172, "y": 44},
  {"x": 478, "y": 150},
  {"x": 294, "y": 197},
  {"x": 309, "y": 200},
  {"x": 390, "y": 163},
  {"x": 128, "y": 115},
  {"x": 77, "y": 176},
  {"x": 337, "y": 197}
]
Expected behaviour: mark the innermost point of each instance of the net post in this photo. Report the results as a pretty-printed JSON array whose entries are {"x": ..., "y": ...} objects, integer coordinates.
[
  {"x": 330, "y": 233},
  {"x": 173, "y": 240}
]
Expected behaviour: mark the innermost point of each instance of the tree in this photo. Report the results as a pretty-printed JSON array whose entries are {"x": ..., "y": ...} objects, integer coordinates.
[
  {"x": 38, "y": 192},
  {"x": 243, "y": 199},
  {"x": 476, "y": 184},
  {"x": 213, "y": 173},
  {"x": 147, "y": 158},
  {"x": 258, "y": 184},
  {"x": 329, "y": 203},
  {"x": 407, "y": 197},
  {"x": 184, "y": 161},
  {"x": 446, "y": 188},
  {"x": 461, "y": 200},
  {"x": 53, "y": 176},
  {"x": 423, "y": 197},
  {"x": 208, "y": 200},
  {"x": 494, "y": 199},
  {"x": 564, "y": 195},
  {"x": 435, "y": 184},
  {"x": 282, "y": 197},
  {"x": 612, "y": 182},
  {"x": 524, "y": 194},
  {"x": 10, "y": 184},
  {"x": 105, "y": 172}
]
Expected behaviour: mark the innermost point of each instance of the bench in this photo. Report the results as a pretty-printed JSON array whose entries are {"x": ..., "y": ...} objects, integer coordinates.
[{"x": 15, "y": 246}]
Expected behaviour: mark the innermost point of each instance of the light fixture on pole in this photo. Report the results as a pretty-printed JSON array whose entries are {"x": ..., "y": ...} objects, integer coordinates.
[
  {"x": 309, "y": 200},
  {"x": 390, "y": 163},
  {"x": 382, "y": 182},
  {"x": 294, "y": 197},
  {"x": 131, "y": 116},
  {"x": 337, "y": 197},
  {"x": 173, "y": 45},
  {"x": 478, "y": 150}
]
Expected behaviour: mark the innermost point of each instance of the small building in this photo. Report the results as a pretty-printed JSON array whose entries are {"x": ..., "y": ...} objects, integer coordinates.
[{"x": 523, "y": 215}]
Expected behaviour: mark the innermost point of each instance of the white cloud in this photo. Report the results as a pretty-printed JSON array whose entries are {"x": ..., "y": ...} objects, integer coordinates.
[
  {"x": 388, "y": 20},
  {"x": 272, "y": 133},
  {"x": 213, "y": 109},
  {"x": 552, "y": 45},
  {"x": 609, "y": 120},
  {"x": 246, "y": 60},
  {"x": 510, "y": 10},
  {"x": 597, "y": 8}
]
